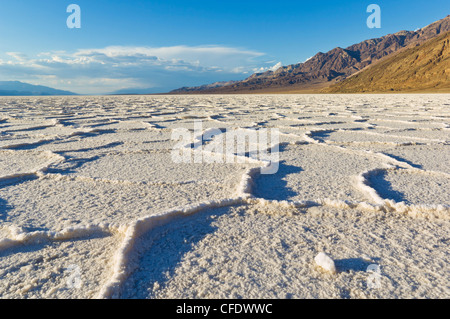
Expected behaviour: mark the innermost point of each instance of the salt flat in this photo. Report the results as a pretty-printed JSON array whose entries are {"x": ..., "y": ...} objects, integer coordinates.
[{"x": 92, "y": 204}]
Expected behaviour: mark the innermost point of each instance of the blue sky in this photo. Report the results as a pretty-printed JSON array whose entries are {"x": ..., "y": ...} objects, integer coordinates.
[{"x": 161, "y": 45}]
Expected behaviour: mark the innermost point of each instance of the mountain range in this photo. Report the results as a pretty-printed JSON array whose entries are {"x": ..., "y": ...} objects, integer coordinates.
[
  {"x": 16, "y": 88},
  {"x": 424, "y": 68},
  {"x": 326, "y": 69}
]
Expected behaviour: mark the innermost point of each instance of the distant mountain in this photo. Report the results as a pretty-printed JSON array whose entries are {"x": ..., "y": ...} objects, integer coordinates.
[
  {"x": 204, "y": 87},
  {"x": 16, "y": 88},
  {"x": 421, "y": 68},
  {"x": 132, "y": 91},
  {"x": 325, "y": 69}
]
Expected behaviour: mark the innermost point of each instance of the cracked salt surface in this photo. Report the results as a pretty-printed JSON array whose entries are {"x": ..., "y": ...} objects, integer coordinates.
[{"x": 88, "y": 188}]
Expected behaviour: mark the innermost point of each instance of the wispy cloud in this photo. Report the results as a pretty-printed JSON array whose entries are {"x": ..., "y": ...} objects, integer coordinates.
[
  {"x": 270, "y": 68},
  {"x": 117, "y": 67}
]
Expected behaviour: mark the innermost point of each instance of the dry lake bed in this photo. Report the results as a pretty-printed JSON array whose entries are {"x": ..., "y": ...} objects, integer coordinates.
[{"x": 93, "y": 204}]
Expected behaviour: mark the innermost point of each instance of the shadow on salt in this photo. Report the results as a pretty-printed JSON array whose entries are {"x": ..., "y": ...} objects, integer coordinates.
[{"x": 162, "y": 249}]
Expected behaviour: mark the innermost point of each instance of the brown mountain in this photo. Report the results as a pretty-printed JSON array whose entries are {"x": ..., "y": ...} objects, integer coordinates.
[
  {"x": 419, "y": 69},
  {"x": 325, "y": 69},
  {"x": 214, "y": 85}
]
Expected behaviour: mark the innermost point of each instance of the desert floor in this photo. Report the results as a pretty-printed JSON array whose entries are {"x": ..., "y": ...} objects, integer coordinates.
[{"x": 93, "y": 205}]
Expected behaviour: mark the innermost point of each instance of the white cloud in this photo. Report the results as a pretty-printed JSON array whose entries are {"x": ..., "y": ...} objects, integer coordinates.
[
  {"x": 276, "y": 67},
  {"x": 137, "y": 66},
  {"x": 265, "y": 69},
  {"x": 17, "y": 56}
]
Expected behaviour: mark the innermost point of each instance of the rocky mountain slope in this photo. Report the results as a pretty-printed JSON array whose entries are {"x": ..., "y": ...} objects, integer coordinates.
[
  {"x": 421, "y": 68},
  {"x": 325, "y": 69}
]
